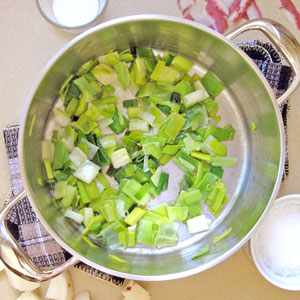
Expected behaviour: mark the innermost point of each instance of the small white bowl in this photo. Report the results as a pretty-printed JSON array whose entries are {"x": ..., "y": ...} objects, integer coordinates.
[
  {"x": 286, "y": 208},
  {"x": 45, "y": 8}
]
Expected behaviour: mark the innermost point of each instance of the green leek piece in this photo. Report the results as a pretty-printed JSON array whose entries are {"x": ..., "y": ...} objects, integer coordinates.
[
  {"x": 148, "y": 56},
  {"x": 202, "y": 251},
  {"x": 213, "y": 86},
  {"x": 84, "y": 198},
  {"x": 123, "y": 74},
  {"x": 103, "y": 158},
  {"x": 72, "y": 107},
  {"x": 135, "y": 215},
  {"x": 87, "y": 67},
  {"x": 156, "y": 176},
  {"x": 196, "y": 114},
  {"x": 85, "y": 124},
  {"x": 181, "y": 64},
  {"x": 135, "y": 191},
  {"x": 157, "y": 70},
  {"x": 59, "y": 153},
  {"x": 163, "y": 183},
  {"x": 107, "y": 110},
  {"x": 129, "y": 103},
  {"x": 171, "y": 126},
  {"x": 104, "y": 74},
  {"x": 165, "y": 159},
  {"x": 217, "y": 170},
  {"x": 109, "y": 211},
  {"x": 212, "y": 146},
  {"x": 148, "y": 139},
  {"x": 191, "y": 144},
  {"x": 222, "y": 236},
  {"x": 116, "y": 126},
  {"x": 166, "y": 235},
  {"x": 183, "y": 87},
  {"x": 153, "y": 150},
  {"x": 65, "y": 84},
  {"x": 211, "y": 107},
  {"x": 92, "y": 113},
  {"x": 101, "y": 177},
  {"x": 60, "y": 189},
  {"x": 202, "y": 156},
  {"x": 195, "y": 97},
  {"x": 116, "y": 259},
  {"x": 32, "y": 124},
  {"x": 111, "y": 58},
  {"x": 130, "y": 239},
  {"x": 92, "y": 190},
  {"x": 218, "y": 200},
  {"x": 144, "y": 232},
  {"x": 94, "y": 225},
  {"x": 48, "y": 168},
  {"x": 199, "y": 175},
  {"x": 103, "y": 101},
  {"x": 60, "y": 176},
  {"x": 224, "y": 134},
  {"x": 224, "y": 161},
  {"x": 187, "y": 163},
  {"x": 138, "y": 125},
  {"x": 111, "y": 235},
  {"x": 140, "y": 71},
  {"x": 91, "y": 88},
  {"x": 107, "y": 90},
  {"x": 171, "y": 149},
  {"x": 71, "y": 91},
  {"x": 97, "y": 132},
  {"x": 133, "y": 112},
  {"x": 161, "y": 210},
  {"x": 153, "y": 217},
  {"x": 207, "y": 183},
  {"x": 253, "y": 126},
  {"x": 192, "y": 197},
  {"x": 176, "y": 213},
  {"x": 168, "y": 57},
  {"x": 69, "y": 196},
  {"x": 81, "y": 108}
]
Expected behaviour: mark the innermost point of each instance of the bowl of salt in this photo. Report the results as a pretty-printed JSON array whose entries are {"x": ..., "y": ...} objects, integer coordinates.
[
  {"x": 71, "y": 15},
  {"x": 275, "y": 246}
]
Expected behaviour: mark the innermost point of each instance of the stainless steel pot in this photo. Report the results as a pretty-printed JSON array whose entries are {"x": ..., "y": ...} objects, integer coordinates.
[{"x": 252, "y": 185}]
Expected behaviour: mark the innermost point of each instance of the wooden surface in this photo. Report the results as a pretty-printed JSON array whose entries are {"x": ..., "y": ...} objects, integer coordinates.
[{"x": 27, "y": 42}]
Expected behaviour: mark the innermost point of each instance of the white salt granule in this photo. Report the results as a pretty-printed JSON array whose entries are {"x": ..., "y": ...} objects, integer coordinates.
[
  {"x": 278, "y": 240},
  {"x": 75, "y": 12}
]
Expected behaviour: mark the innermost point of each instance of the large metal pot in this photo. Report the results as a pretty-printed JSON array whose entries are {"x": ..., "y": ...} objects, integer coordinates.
[{"x": 252, "y": 185}]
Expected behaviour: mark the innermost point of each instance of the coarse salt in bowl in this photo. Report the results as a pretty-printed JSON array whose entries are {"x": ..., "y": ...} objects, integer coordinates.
[{"x": 275, "y": 246}]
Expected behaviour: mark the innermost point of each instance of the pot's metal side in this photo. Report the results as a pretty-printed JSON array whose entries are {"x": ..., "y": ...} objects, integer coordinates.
[{"x": 84, "y": 252}]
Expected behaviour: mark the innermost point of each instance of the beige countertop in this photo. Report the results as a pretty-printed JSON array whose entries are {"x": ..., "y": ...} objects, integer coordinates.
[{"x": 27, "y": 42}]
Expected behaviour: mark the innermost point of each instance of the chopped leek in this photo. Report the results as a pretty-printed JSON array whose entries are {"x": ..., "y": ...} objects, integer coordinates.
[{"x": 165, "y": 114}]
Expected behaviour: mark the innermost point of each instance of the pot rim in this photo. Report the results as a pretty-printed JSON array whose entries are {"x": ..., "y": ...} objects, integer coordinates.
[{"x": 133, "y": 18}]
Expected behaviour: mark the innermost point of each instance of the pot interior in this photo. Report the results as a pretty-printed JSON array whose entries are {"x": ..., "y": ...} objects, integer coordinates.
[{"x": 251, "y": 184}]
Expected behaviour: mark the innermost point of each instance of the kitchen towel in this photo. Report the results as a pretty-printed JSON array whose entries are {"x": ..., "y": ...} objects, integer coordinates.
[{"x": 30, "y": 233}]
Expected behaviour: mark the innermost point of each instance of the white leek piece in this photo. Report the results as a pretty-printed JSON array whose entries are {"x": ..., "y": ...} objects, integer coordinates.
[
  {"x": 198, "y": 224},
  {"x": 77, "y": 157},
  {"x": 87, "y": 171},
  {"x": 120, "y": 158},
  {"x": 78, "y": 218}
]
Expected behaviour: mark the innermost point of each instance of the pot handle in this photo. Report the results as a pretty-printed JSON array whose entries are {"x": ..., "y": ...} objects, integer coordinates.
[
  {"x": 14, "y": 257},
  {"x": 286, "y": 43}
]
